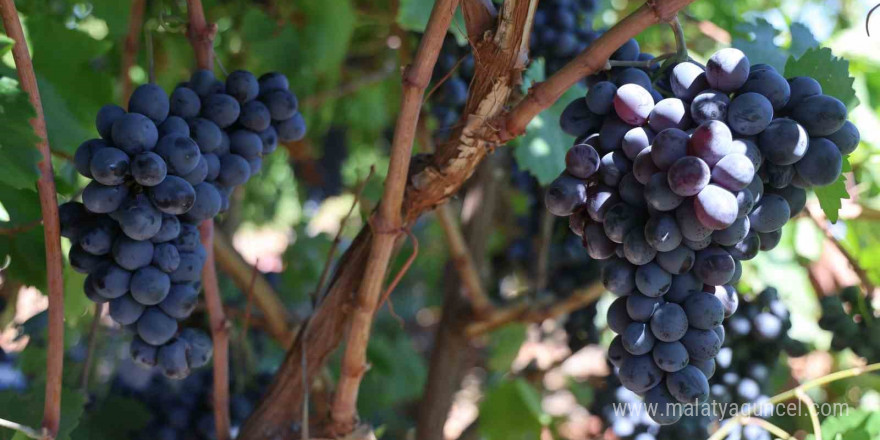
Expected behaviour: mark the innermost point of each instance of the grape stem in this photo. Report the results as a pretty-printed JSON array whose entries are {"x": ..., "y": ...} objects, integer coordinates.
[
  {"x": 680, "y": 45},
  {"x": 130, "y": 49},
  {"x": 811, "y": 408},
  {"x": 649, "y": 64},
  {"x": 90, "y": 351},
  {"x": 51, "y": 222}
]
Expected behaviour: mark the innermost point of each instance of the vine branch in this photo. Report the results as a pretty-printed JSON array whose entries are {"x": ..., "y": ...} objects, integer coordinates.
[
  {"x": 132, "y": 43},
  {"x": 821, "y": 222},
  {"x": 463, "y": 262},
  {"x": 51, "y": 222}
]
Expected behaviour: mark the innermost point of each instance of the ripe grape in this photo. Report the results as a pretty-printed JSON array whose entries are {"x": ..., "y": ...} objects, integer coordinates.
[
  {"x": 132, "y": 254},
  {"x": 107, "y": 115},
  {"x": 669, "y": 146},
  {"x": 821, "y": 115},
  {"x": 181, "y": 153},
  {"x": 172, "y": 359},
  {"x": 703, "y": 310},
  {"x": 221, "y": 109},
  {"x": 710, "y": 105},
  {"x": 669, "y": 113},
  {"x": 173, "y": 196},
  {"x": 631, "y": 191},
  {"x": 620, "y": 219},
  {"x": 600, "y": 97},
  {"x": 165, "y": 257},
  {"x": 747, "y": 248},
  {"x": 701, "y": 344},
  {"x": 683, "y": 286},
  {"x": 711, "y": 141},
  {"x": 206, "y": 134},
  {"x": 109, "y": 166},
  {"x": 273, "y": 81},
  {"x": 180, "y": 301},
  {"x": 783, "y": 142},
  {"x": 618, "y": 276},
  {"x": 661, "y": 408},
  {"x": 598, "y": 245},
  {"x": 733, "y": 172},
  {"x": 769, "y": 84},
  {"x": 770, "y": 213},
  {"x": 715, "y": 207},
  {"x": 733, "y": 234},
  {"x": 688, "y": 80},
  {"x": 148, "y": 169},
  {"x": 102, "y": 199},
  {"x": 643, "y": 166},
  {"x": 662, "y": 233},
  {"x": 200, "y": 347},
  {"x": 611, "y": 133},
  {"x": 669, "y": 323},
  {"x": 637, "y": 338},
  {"x": 242, "y": 85},
  {"x": 155, "y": 327},
  {"x": 255, "y": 116},
  {"x": 632, "y": 75},
  {"x": 640, "y": 373},
  {"x": 727, "y": 69},
  {"x": 577, "y": 119},
  {"x": 151, "y": 101},
  {"x": 749, "y": 113},
  {"x": 688, "y": 176},
  {"x": 659, "y": 195},
  {"x": 677, "y": 261},
  {"x": 635, "y": 140},
  {"x": 125, "y": 310},
  {"x": 652, "y": 280},
  {"x": 846, "y": 138},
  {"x": 688, "y": 385},
  {"x": 612, "y": 167},
  {"x": 134, "y": 133},
  {"x": 234, "y": 170},
  {"x": 822, "y": 164},
  {"x": 714, "y": 266},
  {"x": 565, "y": 195}
]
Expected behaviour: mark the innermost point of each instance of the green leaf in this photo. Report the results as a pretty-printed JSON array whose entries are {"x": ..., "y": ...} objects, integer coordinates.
[
  {"x": 542, "y": 150},
  {"x": 398, "y": 372},
  {"x": 413, "y": 15},
  {"x": 6, "y": 44},
  {"x": 27, "y": 408},
  {"x": 512, "y": 411},
  {"x": 801, "y": 40},
  {"x": 830, "y": 196},
  {"x": 114, "y": 418},
  {"x": 854, "y": 425},
  {"x": 504, "y": 346},
  {"x": 18, "y": 152},
  {"x": 76, "y": 303},
  {"x": 26, "y": 249},
  {"x": 756, "y": 41},
  {"x": 66, "y": 130},
  {"x": 830, "y": 71}
]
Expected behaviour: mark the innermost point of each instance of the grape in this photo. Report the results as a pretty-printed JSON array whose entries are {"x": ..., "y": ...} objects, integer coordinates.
[
  {"x": 242, "y": 85},
  {"x": 769, "y": 214},
  {"x": 82, "y": 261},
  {"x": 132, "y": 254},
  {"x": 846, "y": 139},
  {"x": 74, "y": 219},
  {"x": 733, "y": 234},
  {"x": 643, "y": 166},
  {"x": 821, "y": 115},
  {"x": 600, "y": 97},
  {"x": 107, "y": 115},
  {"x": 618, "y": 276},
  {"x": 245, "y": 143},
  {"x": 715, "y": 207},
  {"x": 207, "y": 204},
  {"x": 676, "y": 261},
  {"x": 565, "y": 195},
  {"x": 637, "y": 338},
  {"x": 711, "y": 141},
  {"x": 688, "y": 385},
  {"x": 134, "y": 133},
  {"x": 631, "y": 191},
  {"x": 688, "y": 80},
  {"x": 185, "y": 103},
  {"x": 612, "y": 167},
  {"x": 747, "y": 248},
  {"x": 729, "y": 299},
  {"x": 255, "y": 116},
  {"x": 733, "y": 172},
  {"x": 213, "y": 163},
  {"x": 620, "y": 219},
  {"x": 636, "y": 250},
  {"x": 767, "y": 326},
  {"x": 148, "y": 169},
  {"x": 110, "y": 281},
  {"x": 577, "y": 221},
  {"x": 181, "y": 154},
  {"x": 235, "y": 170},
  {"x": 181, "y": 301},
  {"x": 658, "y": 194},
  {"x": 200, "y": 347},
  {"x": 704, "y": 311},
  {"x": 777, "y": 176},
  {"x": 697, "y": 245},
  {"x": 155, "y": 327},
  {"x": 691, "y": 228},
  {"x": 189, "y": 238},
  {"x": 749, "y": 149},
  {"x": 682, "y": 287},
  {"x": 206, "y": 134},
  {"x": 173, "y": 125},
  {"x": 190, "y": 268},
  {"x": 670, "y": 356},
  {"x": 710, "y": 105},
  {"x": 669, "y": 113},
  {"x": 102, "y": 199},
  {"x": 662, "y": 233},
  {"x": 769, "y": 84},
  {"x": 597, "y": 244},
  {"x": 688, "y": 176},
  {"x": 577, "y": 119},
  {"x": 125, "y": 310},
  {"x": 632, "y": 75},
  {"x": 769, "y": 240},
  {"x": 109, "y": 166},
  {"x": 756, "y": 188},
  {"x": 293, "y": 129},
  {"x": 611, "y": 133},
  {"x": 749, "y": 113},
  {"x": 98, "y": 239},
  {"x": 151, "y": 101},
  {"x": 149, "y": 285},
  {"x": 661, "y": 407},
  {"x": 172, "y": 358},
  {"x": 652, "y": 280},
  {"x": 199, "y": 173},
  {"x": 142, "y": 353},
  {"x": 822, "y": 164},
  {"x": 138, "y": 218},
  {"x": 617, "y": 317},
  {"x": 273, "y": 81},
  {"x": 744, "y": 201},
  {"x": 801, "y": 87},
  {"x": 639, "y": 373},
  {"x": 669, "y": 146},
  {"x": 714, "y": 266},
  {"x": 82, "y": 159},
  {"x": 169, "y": 230},
  {"x": 669, "y": 323},
  {"x": 221, "y": 109},
  {"x": 283, "y": 105},
  {"x": 635, "y": 140},
  {"x": 616, "y": 353},
  {"x": 165, "y": 257},
  {"x": 701, "y": 344},
  {"x": 727, "y": 69},
  {"x": 270, "y": 140},
  {"x": 173, "y": 196},
  {"x": 633, "y": 104},
  {"x": 784, "y": 142}
]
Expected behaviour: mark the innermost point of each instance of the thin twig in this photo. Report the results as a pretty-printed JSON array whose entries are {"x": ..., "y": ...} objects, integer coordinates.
[
  {"x": 247, "y": 307},
  {"x": 151, "y": 62},
  {"x": 389, "y": 220},
  {"x": 767, "y": 426},
  {"x": 26, "y": 430},
  {"x": 542, "y": 261},
  {"x": 396, "y": 280},
  {"x": 90, "y": 351},
  {"x": 811, "y": 408},
  {"x": 680, "y": 46},
  {"x": 18, "y": 229},
  {"x": 130, "y": 47},
  {"x": 443, "y": 79},
  {"x": 463, "y": 261},
  {"x": 51, "y": 223},
  {"x": 821, "y": 222}
]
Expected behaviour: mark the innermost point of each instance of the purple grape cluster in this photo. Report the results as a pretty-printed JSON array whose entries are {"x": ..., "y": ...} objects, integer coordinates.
[
  {"x": 562, "y": 29},
  {"x": 671, "y": 192},
  {"x": 850, "y": 318}
]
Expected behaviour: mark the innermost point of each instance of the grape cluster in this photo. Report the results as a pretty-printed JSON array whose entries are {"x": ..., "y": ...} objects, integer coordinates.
[
  {"x": 851, "y": 318},
  {"x": 158, "y": 170},
  {"x": 674, "y": 201},
  {"x": 561, "y": 30}
]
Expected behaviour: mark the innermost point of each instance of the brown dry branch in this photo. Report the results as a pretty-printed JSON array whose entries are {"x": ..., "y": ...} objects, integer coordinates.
[
  {"x": 130, "y": 49},
  {"x": 461, "y": 259},
  {"x": 51, "y": 222},
  {"x": 821, "y": 222}
]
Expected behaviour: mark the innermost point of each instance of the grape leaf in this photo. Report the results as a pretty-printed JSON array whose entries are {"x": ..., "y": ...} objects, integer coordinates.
[
  {"x": 398, "y": 372},
  {"x": 114, "y": 418},
  {"x": 854, "y": 425},
  {"x": 504, "y": 346},
  {"x": 18, "y": 152},
  {"x": 27, "y": 408},
  {"x": 756, "y": 41},
  {"x": 801, "y": 40},
  {"x": 512, "y": 411},
  {"x": 25, "y": 249},
  {"x": 66, "y": 130},
  {"x": 413, "y": 15},
  {"x": 830, "y": 71},
  {"x": 830, "y": 196}
]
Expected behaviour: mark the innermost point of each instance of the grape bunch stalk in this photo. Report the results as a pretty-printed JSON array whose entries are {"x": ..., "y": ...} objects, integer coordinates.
[
  {"x": 851, "y": 319},
  {"x": 159, "y": 169},
  {"x": 675, "y": 192}
]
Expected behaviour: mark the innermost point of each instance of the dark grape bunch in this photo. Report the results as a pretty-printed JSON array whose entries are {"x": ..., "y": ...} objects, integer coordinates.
[
  {"x": 852, "y": 320},
  {"x": 561, "y": 30},
  {"x": 671, "y": 192}
]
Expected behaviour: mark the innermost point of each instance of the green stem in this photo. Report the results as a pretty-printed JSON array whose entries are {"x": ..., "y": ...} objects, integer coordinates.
[{"x": 680, "y": 46}]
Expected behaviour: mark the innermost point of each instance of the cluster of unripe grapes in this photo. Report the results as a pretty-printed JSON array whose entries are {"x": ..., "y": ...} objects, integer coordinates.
[
  {"x": 158, "y": 170},
  {"x": 851, "y": 318},
  {"x": 675, "y": 192}
]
